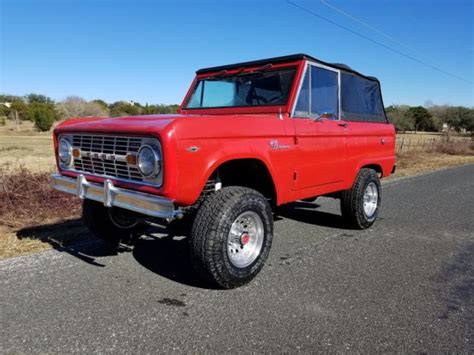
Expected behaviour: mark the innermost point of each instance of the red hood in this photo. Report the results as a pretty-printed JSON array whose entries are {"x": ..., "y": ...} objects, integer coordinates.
[{"x": 128, "y": 124}]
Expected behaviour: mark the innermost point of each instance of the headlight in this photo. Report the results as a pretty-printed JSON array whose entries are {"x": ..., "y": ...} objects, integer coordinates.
[
  {"x": 149, "y": 161},
  {"x": 65, "y": 151}
]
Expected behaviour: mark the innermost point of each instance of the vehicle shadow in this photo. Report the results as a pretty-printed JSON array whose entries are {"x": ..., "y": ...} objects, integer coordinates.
[
  {"x": 71, "y": 237},
  {"x": 166, "y": 252},
  {"x": 307, "y": 212},
  {"x": 160, "y": 249}
]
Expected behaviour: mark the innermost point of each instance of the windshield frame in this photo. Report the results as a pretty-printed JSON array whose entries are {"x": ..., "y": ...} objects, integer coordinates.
[{"x": 266, "y": 108}]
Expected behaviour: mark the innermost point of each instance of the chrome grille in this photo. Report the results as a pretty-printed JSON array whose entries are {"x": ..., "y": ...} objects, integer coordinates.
[{"x": 95, "y": 147}]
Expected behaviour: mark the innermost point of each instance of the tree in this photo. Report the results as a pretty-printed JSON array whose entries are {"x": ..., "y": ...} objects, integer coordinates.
[
  {"x": 102, "y": 104},
  {"x": 74, "y": 106},
  {"x": 18, "y": 111},
  {"x": 43, "y": 115},
  {"x": 467, "y": 120},
  {"x": 9, "y": 98},
  {"x": 422, "y": 119},
  {"x": 39, "y": 99},
  {"x": 123, "y": 108},
  {"x": 399, "y": 116}
]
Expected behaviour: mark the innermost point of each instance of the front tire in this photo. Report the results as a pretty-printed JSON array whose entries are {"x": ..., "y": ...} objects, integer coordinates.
[
  {"x": 231, "y": 236},
  {"x": 360, "y": 205},
  {"x": 109, "y": 224}
]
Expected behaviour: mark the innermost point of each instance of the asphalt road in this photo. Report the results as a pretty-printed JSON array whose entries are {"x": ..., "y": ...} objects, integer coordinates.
[{"x": 407, "y": 284}]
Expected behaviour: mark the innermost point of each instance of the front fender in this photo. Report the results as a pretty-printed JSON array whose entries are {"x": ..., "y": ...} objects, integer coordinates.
[{"x": 196, "y": 166}]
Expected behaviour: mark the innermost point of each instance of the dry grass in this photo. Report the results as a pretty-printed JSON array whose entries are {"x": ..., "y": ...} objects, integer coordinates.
[
  {"x": 413, "y": 163},
  {"x": 429, "y": 135},
  {"x": 34, "y": 217},
  {"x": 34, "y": 152},
  {"x": 26, "y": 199},
  {"x": 28, "y": 240},
  {"x": 26, "y": 128}
]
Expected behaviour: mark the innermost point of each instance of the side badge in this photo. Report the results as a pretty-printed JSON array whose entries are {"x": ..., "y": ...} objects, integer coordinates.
[
  {"x": 192, "y": 149},
  {"x": 275, "y": 145}
]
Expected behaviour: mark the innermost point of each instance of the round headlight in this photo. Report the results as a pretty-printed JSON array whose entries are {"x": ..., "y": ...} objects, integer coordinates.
[
  {"x": 149, "y": 161},
  {"x": 65, "y": 151}
]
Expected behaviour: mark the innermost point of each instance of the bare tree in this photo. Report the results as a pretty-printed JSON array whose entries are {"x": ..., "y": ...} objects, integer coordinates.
[{"x": 74, "y": 106}]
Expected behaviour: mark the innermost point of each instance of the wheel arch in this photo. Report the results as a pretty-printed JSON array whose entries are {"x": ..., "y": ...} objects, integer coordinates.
[
  {"x": 378, "y": 168},
  {"x": 251, "y": 172}
]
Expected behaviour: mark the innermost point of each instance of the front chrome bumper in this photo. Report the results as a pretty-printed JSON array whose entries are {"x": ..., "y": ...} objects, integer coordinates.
[{"x": 111, "y": 196}]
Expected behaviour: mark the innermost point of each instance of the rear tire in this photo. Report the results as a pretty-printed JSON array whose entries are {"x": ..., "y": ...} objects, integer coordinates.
[
  {"x": 109, "y": 224},
  {"x": 231, "y": 236},
  {"x": 360, "y": 204}
]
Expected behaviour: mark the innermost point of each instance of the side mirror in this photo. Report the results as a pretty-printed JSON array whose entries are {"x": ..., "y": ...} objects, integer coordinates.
[{"x": 318, "y": 117}]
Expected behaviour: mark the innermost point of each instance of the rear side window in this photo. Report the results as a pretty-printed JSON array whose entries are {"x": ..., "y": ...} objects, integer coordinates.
[{"x": 360, "y": 99}]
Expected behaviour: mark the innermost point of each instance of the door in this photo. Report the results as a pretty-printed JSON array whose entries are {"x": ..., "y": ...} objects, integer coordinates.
[{"x": 319, "y": 134}]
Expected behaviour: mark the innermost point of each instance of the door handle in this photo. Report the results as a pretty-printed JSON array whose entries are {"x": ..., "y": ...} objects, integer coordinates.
[{"x": 343, "y": 124}]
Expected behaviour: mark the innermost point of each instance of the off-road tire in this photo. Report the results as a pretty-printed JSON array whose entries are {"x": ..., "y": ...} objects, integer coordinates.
[
  {"x": 210, "y": 232},
  {"x": 352, "y": 200},
  {"x": 97, "y": 219}
]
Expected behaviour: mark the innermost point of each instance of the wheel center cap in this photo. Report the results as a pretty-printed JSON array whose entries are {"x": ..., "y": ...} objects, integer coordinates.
[{"x": 244, "y": 239}]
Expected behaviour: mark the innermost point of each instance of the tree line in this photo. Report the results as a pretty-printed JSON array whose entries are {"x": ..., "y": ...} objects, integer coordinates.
[
  {"x": 44, "y": 111},
  {"x": 434, "y": 118}
]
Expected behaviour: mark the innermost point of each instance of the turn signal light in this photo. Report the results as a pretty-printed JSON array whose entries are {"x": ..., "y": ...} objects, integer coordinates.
[
  {"x": 131, "y": 159},
  {"x": 76, "y": 153}
]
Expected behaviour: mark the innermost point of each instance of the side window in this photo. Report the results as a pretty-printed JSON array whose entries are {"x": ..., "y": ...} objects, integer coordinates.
[
  {"x": 196, "y": 97},
  {"x": 361, "y": 99},
  {"x": 324, "y": 93},
  {"x": 318, "y": 95},
  {"x": 302, "y": 106}
]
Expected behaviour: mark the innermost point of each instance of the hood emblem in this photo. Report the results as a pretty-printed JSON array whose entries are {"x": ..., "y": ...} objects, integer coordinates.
[{"x": 192, "y": 149}]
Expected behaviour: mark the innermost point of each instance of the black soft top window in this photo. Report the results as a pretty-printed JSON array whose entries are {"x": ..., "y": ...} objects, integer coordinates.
[{"x": 361, "y": 99}]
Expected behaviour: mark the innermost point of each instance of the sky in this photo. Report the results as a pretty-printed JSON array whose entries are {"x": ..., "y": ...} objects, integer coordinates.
[{"x": 148, "y": 51}]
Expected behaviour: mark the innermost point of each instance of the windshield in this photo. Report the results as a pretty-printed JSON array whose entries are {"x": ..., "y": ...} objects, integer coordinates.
[{"x": 259, "y": 88}]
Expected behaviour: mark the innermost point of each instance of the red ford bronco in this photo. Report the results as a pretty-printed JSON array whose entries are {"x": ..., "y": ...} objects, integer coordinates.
[{"x": 247, "y": 137}]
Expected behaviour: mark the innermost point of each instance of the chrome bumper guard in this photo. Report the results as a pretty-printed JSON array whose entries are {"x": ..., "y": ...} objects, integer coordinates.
[{"x": 112, "y": 196}]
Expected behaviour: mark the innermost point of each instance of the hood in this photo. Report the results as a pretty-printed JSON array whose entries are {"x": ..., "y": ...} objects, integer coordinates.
[{"x": 129, "y": 124}]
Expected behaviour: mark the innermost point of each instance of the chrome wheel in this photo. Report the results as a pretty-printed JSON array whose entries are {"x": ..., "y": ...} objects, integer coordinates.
[
  {"x": 371, "y": 199},
  {"x": 245, "y": 239}
]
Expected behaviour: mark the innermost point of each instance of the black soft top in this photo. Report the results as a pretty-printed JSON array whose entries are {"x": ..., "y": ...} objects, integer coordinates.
[{"x": 287, "y": 58}]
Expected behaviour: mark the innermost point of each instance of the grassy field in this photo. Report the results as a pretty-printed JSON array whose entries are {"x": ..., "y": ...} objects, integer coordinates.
[
  {"x": 34, "y": 152},
  {"x": 34, "y": 217}
]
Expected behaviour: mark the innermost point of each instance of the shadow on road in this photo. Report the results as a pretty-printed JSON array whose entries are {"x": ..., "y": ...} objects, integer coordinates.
[
  {"x": 71, "y": 237},
  {"x": 306, "y": 212},
  {"x": 168, "y": 256},
  {"x": 162, "y": 250}
]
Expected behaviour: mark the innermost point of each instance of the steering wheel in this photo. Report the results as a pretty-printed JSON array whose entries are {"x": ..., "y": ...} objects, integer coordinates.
[
  {"x": 259, "y": 98},
  {"x": 274, "y": 99}
]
